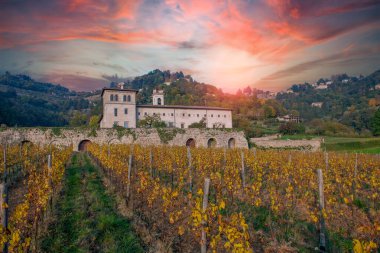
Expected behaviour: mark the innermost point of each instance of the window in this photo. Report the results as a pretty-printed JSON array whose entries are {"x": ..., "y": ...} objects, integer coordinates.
[
  {"x": 124, "y": 98},
  {"x": 115, "y": 112},
  {"x": 125, "y": 110},
  {"x": 204, "y": 115},
  {"x": 126, "y": 124},
  {"x": 183, "y": 114},
  {"x": 212, "y": 115},
  {"x": 171, "y": 124},
  {"x": 224, "y": 115},
  {"x": 172, "y": 114},
  {"x": 111, "y": 97},
  {"x": 116, "y": 97},
  {"x": 154, "y": 113},
  {"x": 145, "y": 113},
  {"x": 139, "y": 113},
  {"x": 198, "y": 115},
  {"x": 182, "y": 125},
  {"x": 159, "y": 101},
  {"x": 218, "y": 115},
  {"x": 163, "y": 114},
  {"x": 129, "y": 98},
  {"x": 189, "y": 115}
]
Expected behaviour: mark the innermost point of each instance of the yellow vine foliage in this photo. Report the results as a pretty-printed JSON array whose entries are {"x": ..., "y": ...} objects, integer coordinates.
[
  {"x": 278, "y": 182},
  {"x": 37, "y": 183}
]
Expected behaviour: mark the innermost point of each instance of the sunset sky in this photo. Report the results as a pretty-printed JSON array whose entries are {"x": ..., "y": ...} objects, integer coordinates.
[{"x": 268, "y": 44}]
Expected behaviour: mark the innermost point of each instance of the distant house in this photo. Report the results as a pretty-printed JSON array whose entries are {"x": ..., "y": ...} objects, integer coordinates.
[
  {"x": 267, "y": 95},
  {"x": 317, "y": 104},
  {"x": 377, "y": 86},
  {"x": 289, "y": 118},
  {"x": 345, "y": 80},
  {"x": 321, "y": 86}
]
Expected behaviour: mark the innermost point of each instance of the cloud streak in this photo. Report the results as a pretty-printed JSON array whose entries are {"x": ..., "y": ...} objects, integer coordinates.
[{"x": 275, "y": 33}]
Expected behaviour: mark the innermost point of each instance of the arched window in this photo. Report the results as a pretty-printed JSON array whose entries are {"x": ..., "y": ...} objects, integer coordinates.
[
  {"x": 211, "y": 143},
  {"x": 111, "y": 97},
  {"x": 129, "y": 98},
  {"x": 83, "y": 145},
  {"x": 116, "y": 97},
  {"x": 159, "y": 101},
  {"x": 125, "y": 98},
  {"x": 190, "y": 143},
  {"x": 231, "y": 143}
]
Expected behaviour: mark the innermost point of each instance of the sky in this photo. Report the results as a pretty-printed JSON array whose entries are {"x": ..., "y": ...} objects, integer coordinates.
[{"x": 266, "y": 44}]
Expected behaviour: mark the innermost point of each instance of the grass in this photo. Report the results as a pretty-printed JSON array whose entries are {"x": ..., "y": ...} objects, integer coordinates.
[
  {"x": 85, "y": 218},
  {"x": 370, "y": 145}
]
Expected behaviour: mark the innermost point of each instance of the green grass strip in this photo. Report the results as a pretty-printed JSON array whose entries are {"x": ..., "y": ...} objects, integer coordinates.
[{"x": 86, "y": 219}]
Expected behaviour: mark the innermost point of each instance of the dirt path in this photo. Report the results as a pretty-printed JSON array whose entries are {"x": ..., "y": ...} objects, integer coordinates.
[{"x": 85, "y": 217}]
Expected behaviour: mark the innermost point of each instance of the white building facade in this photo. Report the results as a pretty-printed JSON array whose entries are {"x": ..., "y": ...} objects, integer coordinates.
[{"x": 120, "y": 108}]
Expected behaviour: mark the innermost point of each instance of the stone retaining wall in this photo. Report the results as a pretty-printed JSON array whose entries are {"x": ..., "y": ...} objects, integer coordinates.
[
  {"x": 74, "y": 136},
  {"x": 312, "y": 145}
]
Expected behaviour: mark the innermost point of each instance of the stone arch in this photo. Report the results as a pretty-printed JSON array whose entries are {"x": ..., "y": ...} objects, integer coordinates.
[
  {"x": 113, "y": 141},
  {"x": 83, "y": 145},
  {"x": 26, "y": 143},
  {"x": 190, "y": 143},
  {"x": 231, "y": 143},
  {"x": 211, "y": 143}
]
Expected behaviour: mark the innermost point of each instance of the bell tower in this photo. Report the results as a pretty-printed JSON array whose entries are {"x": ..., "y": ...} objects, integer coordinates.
[{"x": 158, "y": 97}]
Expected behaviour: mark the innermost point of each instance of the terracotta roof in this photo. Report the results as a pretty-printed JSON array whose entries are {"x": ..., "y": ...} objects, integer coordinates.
[
  {"x": 184, "y": 107},
  {"x": 116, "y": 89}
]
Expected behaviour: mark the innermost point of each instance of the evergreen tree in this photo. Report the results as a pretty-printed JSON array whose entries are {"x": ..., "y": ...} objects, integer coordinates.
[{"x": 376, "y": 123}]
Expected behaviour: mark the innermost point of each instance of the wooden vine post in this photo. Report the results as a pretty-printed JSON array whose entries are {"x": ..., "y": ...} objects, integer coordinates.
[
  {"x": 129, "y": 177},
  {"x": 4, "y": 198},
  {"x": 242, "y": 171},
  {"x": 50, "y": 180},
  {"x": 355, "y": 175},
  {"x": 151, "y": 162},
  {"x": 322, "y": 235},
  {"x": 190, "y": 169},
  {"x": 204, "y": 207}
]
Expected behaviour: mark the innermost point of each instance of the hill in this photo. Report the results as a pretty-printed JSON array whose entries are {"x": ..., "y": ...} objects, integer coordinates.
[
  {"x": 338, "y": 104},
  {"x": 352, "y": 101},
  {"x": 26, "y": 102}
]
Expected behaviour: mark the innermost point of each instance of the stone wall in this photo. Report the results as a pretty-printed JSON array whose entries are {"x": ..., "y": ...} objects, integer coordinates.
[
  {"x": 312, "y": 145},
  {"x": 74, "y": 136}
]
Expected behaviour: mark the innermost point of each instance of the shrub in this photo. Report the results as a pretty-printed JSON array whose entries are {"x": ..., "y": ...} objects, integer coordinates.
[{"x": 291, "y": 128}]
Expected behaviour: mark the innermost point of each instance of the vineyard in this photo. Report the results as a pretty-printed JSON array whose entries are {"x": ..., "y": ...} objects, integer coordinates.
[
  {"x": 234, "y": 200},
  {"x": 31, "y": 176},
  {"x": 205, "y": 199}
]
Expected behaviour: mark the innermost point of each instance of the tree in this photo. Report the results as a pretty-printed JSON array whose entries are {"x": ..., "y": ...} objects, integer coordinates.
[
  {"x": 200, "y": 124},
  {"x": 376, "y": 123},
  {"x": 291, "y": 128},
  {"x": 153, "y": 121},
  {"x": 78, "y": 119},
  {"x": 94, "y": 122}
]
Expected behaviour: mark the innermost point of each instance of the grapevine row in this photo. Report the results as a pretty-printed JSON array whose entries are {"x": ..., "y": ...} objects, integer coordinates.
[{"x": 261, "y": 200}]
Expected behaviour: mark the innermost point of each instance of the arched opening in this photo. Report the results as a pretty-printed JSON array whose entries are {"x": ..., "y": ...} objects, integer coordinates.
[
  {"x": 83, "y": 145},
  {"x": 231, "y": 143},
  {"x": 211, "y": 143},
  {"x": 159, "y": 101},
  {"x": 190, "y": 143},
  {"x": 26, "y": 143}
]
